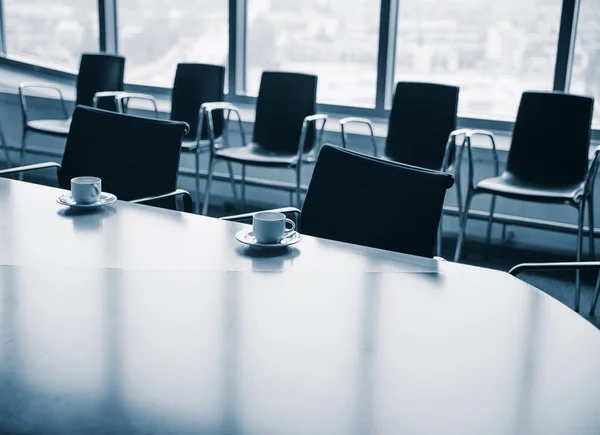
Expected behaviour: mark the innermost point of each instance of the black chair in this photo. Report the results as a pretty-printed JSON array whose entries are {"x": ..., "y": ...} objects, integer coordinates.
[
  {"x": 194, "y": 85},
  {"x": 97, "y": 73},
  {"x": 421, "y": 129},
  {"x": 422, "y": 118},
  {"x": 136, "y": 158},
  {"x": 284, "y": 128},
  {"x": 569, "y": 265},
  {"x": 349, "y": 199},
  {"x": 547, "y": 162}
]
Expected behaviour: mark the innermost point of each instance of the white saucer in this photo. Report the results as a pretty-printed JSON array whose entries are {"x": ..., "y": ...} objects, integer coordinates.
[
  {"x": 104, "y": 199},
  {"x": 247, "y": 237}
]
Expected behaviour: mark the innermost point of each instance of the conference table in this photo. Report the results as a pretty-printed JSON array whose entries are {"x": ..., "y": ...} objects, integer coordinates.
[{"x": 139, "y": 320}]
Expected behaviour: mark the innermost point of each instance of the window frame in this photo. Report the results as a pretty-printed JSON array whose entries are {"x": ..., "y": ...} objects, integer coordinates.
[
  {"x": 108, "y": 43},
  {"x": 48, "y": 66}
]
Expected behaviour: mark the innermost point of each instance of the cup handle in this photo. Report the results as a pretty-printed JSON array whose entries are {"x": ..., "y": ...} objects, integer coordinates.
[
  {"x": 96, "y": 190},
  {"x": 289, "y": 231}
]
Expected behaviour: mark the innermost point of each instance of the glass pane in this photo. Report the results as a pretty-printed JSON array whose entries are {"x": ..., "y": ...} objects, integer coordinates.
[
  {"x": 585, "y": 77},
  {"x": 494, "y": 50},
  {"x": 155, "y": 35},
  {"x": 334, "y": 39},
  {"x": 57, "y": 31}
]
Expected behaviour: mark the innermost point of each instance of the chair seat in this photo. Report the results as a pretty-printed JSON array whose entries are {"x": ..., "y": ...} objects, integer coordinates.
[
  {"x": 253, "y": 154},
  {"x": 59, "y": 127},
  {"x": 189, "y": 145},
  {"x": 513, "y": 187}
]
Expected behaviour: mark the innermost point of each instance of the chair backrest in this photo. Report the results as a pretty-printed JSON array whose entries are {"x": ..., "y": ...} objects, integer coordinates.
[
  {"x": 194, "y": 85},
  {"x": 422, "y": 117},
  {"x": 134, "y": 156},
  {"x": 550, "y": 138},
  {"x": 98, "y": 73},
  {"x": 284, "y": 100},
  {"x": 367, "y": 201}
]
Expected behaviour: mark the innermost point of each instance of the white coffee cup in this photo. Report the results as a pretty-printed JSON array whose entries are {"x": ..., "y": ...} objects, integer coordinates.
[
  {"x": 86, "y": 190},
  {"x": 270, "y": 227}
]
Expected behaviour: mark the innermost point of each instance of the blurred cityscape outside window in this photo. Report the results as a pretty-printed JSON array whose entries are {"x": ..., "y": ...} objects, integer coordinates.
[
  {"x": 337, "y": 40},
  {"x": 494, "y": 50},
  {"x": 155, "y": 35},
  {"x": 55, "y": 32},
  {"x": 585, "y": 77}
]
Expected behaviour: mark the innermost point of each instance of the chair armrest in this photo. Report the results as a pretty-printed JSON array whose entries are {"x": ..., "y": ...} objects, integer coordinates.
[
  {"x": 460, "y": 131},
  {"x": 590, "y": 178},
  {"x": 27, "y": 168},
  {"x": 472, "y": 133},
  {"x": 304, "y": 132},
  {"x": 122, "y": 97},
  {"x": 316, "y": 117},
  {"x": 31, "y": 85},
  {"x": 569, "y": 265},
  {"x": 357, "y": 120},
  {"x": 467, "y": 144},
  {"x": 206, "y": 110},
  {"x": 249, "y": 216},
  {"x": 187, "y": 199},
  {"x": 220, "y": 105},
  {"x": 450, "y": 156},
  {"x": 350, "y": 119},
  {"x": 104, "y": 94}
]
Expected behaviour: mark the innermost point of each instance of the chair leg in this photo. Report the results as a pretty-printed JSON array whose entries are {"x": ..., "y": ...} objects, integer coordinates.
[
  {"x": 243, "y": 188},
  {"x": 211, "y": 165},
  {"x": 232, "y": 183},
  {"x": 7, "y": 156},
  {"x": 438, "y": 248},
  {"x": 463, "y": 225},
  {"x": 457, "y": 184},
  {"x": 298, "y": 195},
  {"x": 5, "y": 145},
  {"x": 595, "y": 301},
  {"x": 459, "y": 199},
  {"x": 23, "y": 151},
  {"x": 581, "y": 215},
  {"x": 23, "y": 147},
  {"x": 488, "y": 233},
  {"x": 591, "y": 229},
  {"x": 197, "y": 175}
]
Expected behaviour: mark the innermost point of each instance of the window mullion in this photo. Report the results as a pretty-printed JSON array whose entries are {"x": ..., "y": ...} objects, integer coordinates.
[
  {"x": 386, "y": 53},
  {"x": 107, "y": 21},
  {"x": 2, "y": 33},
  {"x": 237, "y": 46},
  {"x": 566, "y": 44}
]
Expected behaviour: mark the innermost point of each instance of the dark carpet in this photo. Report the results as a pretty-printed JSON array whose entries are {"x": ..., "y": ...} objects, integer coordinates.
[{"x": 558, "y": 284}]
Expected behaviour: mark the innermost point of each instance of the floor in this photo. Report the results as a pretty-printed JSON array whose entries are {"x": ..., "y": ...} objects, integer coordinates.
[{"x": 558, "y": 284}]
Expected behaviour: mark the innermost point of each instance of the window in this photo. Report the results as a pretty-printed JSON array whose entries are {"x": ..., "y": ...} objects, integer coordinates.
[
  {"x": 155, "y": 35},
  {"x": 494, "y": 50},
  {"x": 585, "y": 77},
  {"x": 57, "y": 31},
  {"x": 337, "y": 40}
]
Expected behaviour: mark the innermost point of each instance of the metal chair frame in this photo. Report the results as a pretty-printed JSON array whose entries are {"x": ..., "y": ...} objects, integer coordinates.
[
  {"x": 579, "y": 202},
  {"x": 572, "y": 265},
  {"x": 301, "y": 157},
  {"x": 121, "y": 101},
  {"x": 452, "y": 155}
]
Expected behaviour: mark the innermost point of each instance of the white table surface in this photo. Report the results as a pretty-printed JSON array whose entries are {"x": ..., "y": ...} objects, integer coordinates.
[{"x": 139, "y": 320}]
